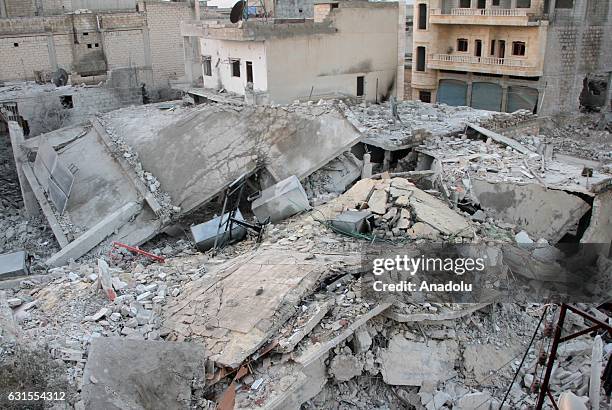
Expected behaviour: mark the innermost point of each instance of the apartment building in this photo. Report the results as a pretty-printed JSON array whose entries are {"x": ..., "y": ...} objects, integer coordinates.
[
  {"x": 348, "y": 48},
  {"x": 546, "y": 56}
]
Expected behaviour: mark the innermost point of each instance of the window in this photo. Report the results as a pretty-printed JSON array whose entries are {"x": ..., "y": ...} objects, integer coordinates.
[
  {"x": 85, "y": 34},
  {"x": 462, "y": 44},
  {"x": 249, "y": 71},
  {"x": 422, "y": 16},
  {"x": 89, "y": 45},
  {"x": 564, "y": 4},
  {"x": 66, "y": 101},
  {"x": 502, "y": 49},
  {"x": 360, "y": 85},
  {"x": 465, "y": 4},
  {"x": 206, "y": 66},
  {"x": 478, "y": 48},
  {"x": 523, "y": 4},
  {"x": 518, "y": 48},
  {"x": 420, "y": 60},
  {"x": 15, "y": 44},
  {"x": 334, "y": 6},
  {"x": 96, "y": 45},
  {"x": 495, "y": 3},
  {"x": 492, "y": 50},
  {"x": 425, "y": 96},
  {"x": 481, "y": 4},
  {"x": 235, "y": 68}
]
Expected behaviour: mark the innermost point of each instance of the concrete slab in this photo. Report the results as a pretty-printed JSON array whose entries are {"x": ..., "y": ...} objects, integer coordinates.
[
  {"x": 543, "y": 213},
  {"x": 280, "y": 201},
  {"x": 13, "y": 264},
  {"x": 352, "y": 221},
  {"x": 239, "y": 305},
  {"x": 8, "y": 327},
  {"x": 123, "y": 373},
  {"x": 433, "y": 361}
]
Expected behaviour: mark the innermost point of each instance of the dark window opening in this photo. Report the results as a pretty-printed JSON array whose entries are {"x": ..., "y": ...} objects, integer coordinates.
[
  {"x": 495, "y": 3},
  {"x": 564, "y": 4},
  {"x": 478, "y": 51},
  {"x": 207, "y": 66},
  {"x": 300, "y": 10},
  {"x": 465, "y": 4},
  {"x": 462, "y": 44},
  {"x": 516, "y": 77},
  {"x": 502, "y": 49},
  {"x": 360, "y": 86},
  {"x": 96, "y": 45},
  {"x": 66, "y": 101},
  {"x": 249, "y": 71},
  {"x": 15, "y": 44},
  {"x": 89, "y": 45},
  {"x": 422, "y": 16},
  {"x": 334, "y": 5},
  {"x": 235, "y": 68},
  {"x": 518, "y": 48},
  {"x": 85, "y": 34},
  {"x": 420, "y": 63},
  {"x": 523, "y": 4},
  {"x": 425, "y": 96},
  {"x": 482, "y": 4},
  {"x": 492, "y": 47}
]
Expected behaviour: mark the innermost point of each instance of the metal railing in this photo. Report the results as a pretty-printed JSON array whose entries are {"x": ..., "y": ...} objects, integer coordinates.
[
  {"x": 505, "y": 62},
  {"x": 481, "y": 12}
]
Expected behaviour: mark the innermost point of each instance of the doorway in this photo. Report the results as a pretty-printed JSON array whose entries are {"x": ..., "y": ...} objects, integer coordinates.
[
  {"x": 249, "y": 71},
  {"x": 502, "y": 49},
  {"x": 360, "y": 86},
  {"x": 478, "y": 48}
]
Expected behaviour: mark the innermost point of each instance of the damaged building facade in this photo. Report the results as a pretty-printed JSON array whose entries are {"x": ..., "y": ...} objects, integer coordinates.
[
  {"x": 282, "y": 60},
  {"x": 87, "y": 39},
  {"x": 505, "y": 55}
]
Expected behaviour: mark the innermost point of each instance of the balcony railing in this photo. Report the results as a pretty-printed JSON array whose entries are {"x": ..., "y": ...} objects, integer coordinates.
[
  {"x": 481, "y": 12},
  {"x": 494, "y": 61}
]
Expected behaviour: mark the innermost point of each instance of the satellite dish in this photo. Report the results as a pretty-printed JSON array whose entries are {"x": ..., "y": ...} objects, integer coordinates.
[{"x": 237, "y": 11}]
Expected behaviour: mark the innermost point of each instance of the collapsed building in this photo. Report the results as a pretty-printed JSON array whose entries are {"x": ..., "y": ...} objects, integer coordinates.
[{"x": 543, "y": 56}]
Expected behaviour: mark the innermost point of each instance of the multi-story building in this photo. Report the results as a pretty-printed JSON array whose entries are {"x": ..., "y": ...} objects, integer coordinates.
[
  {"x": 348, "y": 48},
  {"x": 89, "y": 38},
  {"x": 547, "y": 56}
]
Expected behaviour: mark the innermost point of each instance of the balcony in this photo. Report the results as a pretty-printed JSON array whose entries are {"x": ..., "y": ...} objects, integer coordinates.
[
  {"x": 489, "y": 65},
  {"x": 497, "y": 17}
]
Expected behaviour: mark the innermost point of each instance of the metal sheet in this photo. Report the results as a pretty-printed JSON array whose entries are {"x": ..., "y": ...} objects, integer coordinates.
[
  {"x": 452, "y": 92},
  {"x": 205, "y": 233},
  {"x": 62, "y": 176},
  {"x": 486, "y": 96},
  {"x": 522, "y": 98},
  {"x": 57, "y": 196}
]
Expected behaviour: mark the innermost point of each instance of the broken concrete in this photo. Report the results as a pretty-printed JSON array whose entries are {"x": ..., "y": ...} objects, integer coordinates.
[
  {"x": 13, "y": 264},
  {"x": 214, "y": 231},
  {"x": 280, "y": 201},
  {"x": 123, "y": 373}
]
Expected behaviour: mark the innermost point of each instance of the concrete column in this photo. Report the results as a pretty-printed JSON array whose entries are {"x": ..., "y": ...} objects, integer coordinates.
[
  {"x": 52, "y": 53},
  {"x": 3, "y": 12},
  {"x": 146, "y": 40},
  {"x": 596, "y": 365},
  {"x": 196, "y": 4},
  {"x": 504, "y": 103},
  {"x": 29, "y": 199},
  {"x": 609, "y": 92},
  {"x": 387, "y": 161},
  {"x": 468, "y": 97}
]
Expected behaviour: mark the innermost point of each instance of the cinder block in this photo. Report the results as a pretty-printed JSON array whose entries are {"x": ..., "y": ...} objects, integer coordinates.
[
  {"x": 204, "y": 234},
  {"x": 13, "y": 264},
  {"x": 352, "y": 222},
  {"x": 281, "y": 200}
]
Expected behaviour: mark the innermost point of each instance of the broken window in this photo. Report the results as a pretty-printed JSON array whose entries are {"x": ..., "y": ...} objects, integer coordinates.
[
  {"x": 523, "y": 4},
  {"x": 66, "y": 101},
  {"x": 420, "y": 63},
  {"x": 564, "y": 4},
  {"x": 465, "y": 4},
  {"x": 422, "y": 16},
  {"x": 492, "y": 51},
  {"x": 249, "y": 71},
  {"x": 360, "y": 85},
  {"x": 235, "y": 68},
  {"x": 207, "y": 66},
  {"x": 425, "y": 96},
  {"x": 518, "y": 48},
  {"x": 15, "y": 44},
  {"x": 462, "y": 44}
]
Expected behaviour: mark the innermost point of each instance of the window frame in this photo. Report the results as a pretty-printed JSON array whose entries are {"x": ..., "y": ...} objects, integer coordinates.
[
  {"x": 463, "y": 41},
  {"x": 207, "y": 63},
  {"x": 519, "y": 44},
  {"x": 235, "y": 62}
]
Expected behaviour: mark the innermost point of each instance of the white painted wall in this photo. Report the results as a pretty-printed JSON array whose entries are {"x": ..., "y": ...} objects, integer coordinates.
[
  {"x": 222, "y": 51},
  {"x": 366, "y": 44}
]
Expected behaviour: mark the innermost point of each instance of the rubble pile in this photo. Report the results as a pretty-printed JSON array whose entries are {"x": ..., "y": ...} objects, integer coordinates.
[{"x": 587, "y": 136}]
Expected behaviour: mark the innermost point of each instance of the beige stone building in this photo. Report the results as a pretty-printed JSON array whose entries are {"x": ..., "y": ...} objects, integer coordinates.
[
  {"x": 90, "y": 38},
  {"x": 349, "y": 48},
  {"x": 543, "y": 55}
]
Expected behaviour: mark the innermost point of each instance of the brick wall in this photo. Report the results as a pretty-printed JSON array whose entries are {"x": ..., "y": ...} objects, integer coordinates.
[
  {"x": 124, "y": 48},
  {"x": 21, "y": 56},
  {"x": 167, "y": 55},
  {"x": 20, "y": 8}
]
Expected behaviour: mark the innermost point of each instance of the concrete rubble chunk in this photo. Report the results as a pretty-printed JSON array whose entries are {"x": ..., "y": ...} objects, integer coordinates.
[
  {"x": 471, "y": 401},
  {"x": 426, "y": 362},
  {"x": 438, "y": 215},
  {"x": 361, "y": 340},
  {"x": 352, "y": 222},
  {"x": 345, "y": 366},
  {"x": 141, "y": 374},
  {"x": 13, "y": 264},
  {"x": 280, "y": 201},
  {"x": 378, "y": 202}
]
